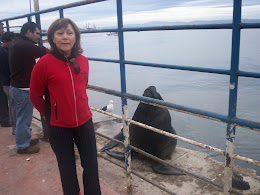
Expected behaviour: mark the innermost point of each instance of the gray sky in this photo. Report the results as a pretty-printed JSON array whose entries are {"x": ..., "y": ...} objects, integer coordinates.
[{"x": 135, "y": 11}]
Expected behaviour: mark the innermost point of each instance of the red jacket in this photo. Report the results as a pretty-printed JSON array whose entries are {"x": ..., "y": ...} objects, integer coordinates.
[{"x": 66, "y": 100}]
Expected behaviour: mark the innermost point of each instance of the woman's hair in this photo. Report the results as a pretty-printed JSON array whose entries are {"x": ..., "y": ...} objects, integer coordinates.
[{"x": 63, "y": 23}]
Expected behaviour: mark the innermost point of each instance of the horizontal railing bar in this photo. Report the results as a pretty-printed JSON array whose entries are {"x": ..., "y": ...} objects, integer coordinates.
[
  {"x": 92, "y": 31},
  {"x": 249, "y": 74},
  {"x": 192, "y": 27},
  {"x": 189, "y": 141},
  {"x": 180, "y": 169},
  {"x": 137, "y": 174},
  {"x": 179, "y": 67},
  {"x": 103, "y": 60},
  {"x": 36, "y": 118},
  {"x": 14, "y": 27},
  {"x": 249, "y": 25},
  {"x": 66, "y": 6},
  {"x": 102, "y": 30},
  {"x": 192, "y": 111},
  {"x": 162, "y": 132},
  {"x": 174, "y": 27},
  {"x": 180, "y": 27}
]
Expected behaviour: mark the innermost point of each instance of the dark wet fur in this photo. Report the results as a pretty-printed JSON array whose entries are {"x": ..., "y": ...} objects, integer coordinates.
[{"x": 113, "y": 144}]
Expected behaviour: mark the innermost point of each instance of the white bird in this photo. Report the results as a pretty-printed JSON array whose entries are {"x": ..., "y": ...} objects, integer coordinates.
[{"x": 109, "y": 107}]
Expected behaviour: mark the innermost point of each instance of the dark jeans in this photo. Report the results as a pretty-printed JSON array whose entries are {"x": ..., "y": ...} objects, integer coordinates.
[
  {"x": 4, "y": 111},
  {"x": 44, "y": 127},
  {"x": 62, "y": 142},
  {"x": 11, "y": 104}
]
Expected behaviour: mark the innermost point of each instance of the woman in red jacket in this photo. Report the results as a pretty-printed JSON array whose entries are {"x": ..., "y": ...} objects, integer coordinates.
[{"x": 62, "y": 77}]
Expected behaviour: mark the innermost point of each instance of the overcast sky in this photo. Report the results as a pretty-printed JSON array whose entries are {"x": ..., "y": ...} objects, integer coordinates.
[{"x": 135, "y": 11}]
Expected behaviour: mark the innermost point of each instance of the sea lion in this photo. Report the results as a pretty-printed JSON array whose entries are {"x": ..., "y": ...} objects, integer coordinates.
[{"x": 156, "y": 144}]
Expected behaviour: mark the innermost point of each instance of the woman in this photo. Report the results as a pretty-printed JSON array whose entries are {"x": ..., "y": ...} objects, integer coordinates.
[{"x": 62, "y": 76}]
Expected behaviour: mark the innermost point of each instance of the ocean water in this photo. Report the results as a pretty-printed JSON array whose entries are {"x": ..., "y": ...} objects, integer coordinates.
[{"x": 203, "y": 48}]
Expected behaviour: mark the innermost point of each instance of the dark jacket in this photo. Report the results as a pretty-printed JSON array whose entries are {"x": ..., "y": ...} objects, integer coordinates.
[
  {"x": 66, "y": 100},
  {"x": 22, "y": 55},
  {"x": 4, "y": 67}
]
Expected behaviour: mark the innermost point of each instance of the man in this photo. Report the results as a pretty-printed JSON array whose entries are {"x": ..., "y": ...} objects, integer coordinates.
[
  {"x": 7, "y": 38},
  {"x": 4, "y": 113},
  {"x": 22, "y": 55}
]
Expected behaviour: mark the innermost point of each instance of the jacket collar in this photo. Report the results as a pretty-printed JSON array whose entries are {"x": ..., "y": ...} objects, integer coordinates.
[
  {"x": 61, "y": 57},
  {"x": 23, "y": 37}
]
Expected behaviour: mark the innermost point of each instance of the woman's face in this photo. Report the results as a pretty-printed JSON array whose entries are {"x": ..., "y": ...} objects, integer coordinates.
[{"x": 65, "y": 39}]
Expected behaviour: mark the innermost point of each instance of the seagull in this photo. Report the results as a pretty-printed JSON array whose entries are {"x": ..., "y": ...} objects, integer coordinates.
[{"x": 109, "y": 107}]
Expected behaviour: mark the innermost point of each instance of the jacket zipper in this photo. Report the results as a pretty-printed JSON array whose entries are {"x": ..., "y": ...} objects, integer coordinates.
[
  {"x": 56, "y": 113},
  {"x": 73, "y": 91}
]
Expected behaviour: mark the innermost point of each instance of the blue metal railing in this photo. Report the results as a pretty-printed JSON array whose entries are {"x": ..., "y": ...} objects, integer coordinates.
[{"x": 231, "y": 119}]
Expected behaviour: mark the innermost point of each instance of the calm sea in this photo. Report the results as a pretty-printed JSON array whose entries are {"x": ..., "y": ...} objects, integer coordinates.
[{"x": 203, "y": 48}]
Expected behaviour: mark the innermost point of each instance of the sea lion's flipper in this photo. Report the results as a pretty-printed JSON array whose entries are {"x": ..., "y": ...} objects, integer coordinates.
[
  {"x": 239, "y": 183},
  {"x": 165, "y": 170},
  {"x": 113, "y": 144},
  {"x": 117, "y": 155}
]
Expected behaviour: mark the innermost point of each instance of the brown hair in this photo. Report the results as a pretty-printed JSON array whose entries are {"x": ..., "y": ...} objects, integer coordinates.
[{"x": 63, "y": 23}]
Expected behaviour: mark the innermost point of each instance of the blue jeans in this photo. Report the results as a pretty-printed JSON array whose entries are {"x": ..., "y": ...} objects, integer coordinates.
[{"x": 24, "y": 112}]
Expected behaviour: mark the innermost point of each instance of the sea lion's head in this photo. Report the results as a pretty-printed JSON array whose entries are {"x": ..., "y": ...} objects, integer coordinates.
[{"x": 152, "y": 93}]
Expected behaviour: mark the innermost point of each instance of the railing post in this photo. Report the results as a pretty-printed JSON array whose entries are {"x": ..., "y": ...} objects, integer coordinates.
[
  {"x": 61, "y": 13},
  {"x": 7, "y": 26},
  {"x": 231, "y": 129},
  {"x": 38, "y": 21},
  {"x": 124, "y": 99}
]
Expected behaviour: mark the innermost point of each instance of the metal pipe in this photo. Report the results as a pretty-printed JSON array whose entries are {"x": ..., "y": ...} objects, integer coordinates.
[
  {"x": 61, "y": 13},
  {"x": 7, "y": 26},
  {"x": 180, "y": 67},
  {"x": 189, "y": 141},
  {"x": 137, "y": 174},
  {"x": 149, "y": 181},
  {"x": 179, "y": 108},
  {"x": 38, "y": 22},
  {"x": 180, "y": 27},
  {"x": 124, "y": 99},
  {"x": 231, "y": 128},
  {"x": 248, "y": 74},
  {"x": 36, "y": 118},
  {"x": 249, "y": 25}
]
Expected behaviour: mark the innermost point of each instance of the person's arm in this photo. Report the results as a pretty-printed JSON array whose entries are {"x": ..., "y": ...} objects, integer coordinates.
[
  {"x": 38, "y": 86},
  {"x": 38, "y": 51}
]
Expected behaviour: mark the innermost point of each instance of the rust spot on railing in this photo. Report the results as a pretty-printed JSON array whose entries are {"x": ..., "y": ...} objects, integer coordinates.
[{"x": 228, "y": 160}]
